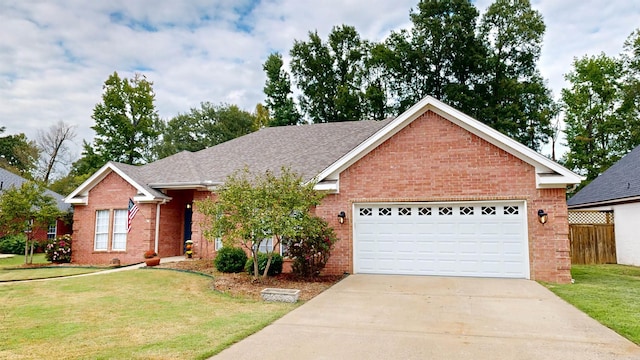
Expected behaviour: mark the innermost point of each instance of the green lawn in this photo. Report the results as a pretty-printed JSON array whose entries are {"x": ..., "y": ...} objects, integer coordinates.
[
  {"x": 11, "y": 269},
  {"x": 607, "y": 293},
  {"x": 136, "y": 314}
]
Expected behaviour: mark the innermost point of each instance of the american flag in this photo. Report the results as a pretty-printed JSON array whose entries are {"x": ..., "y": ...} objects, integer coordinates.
[{"x": 131, "y": 213}]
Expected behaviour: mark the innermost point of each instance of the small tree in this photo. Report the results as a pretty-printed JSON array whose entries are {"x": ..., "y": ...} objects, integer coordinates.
[
  {"x": 27, "y": 210},
  {"x": 250, "y": 209}
]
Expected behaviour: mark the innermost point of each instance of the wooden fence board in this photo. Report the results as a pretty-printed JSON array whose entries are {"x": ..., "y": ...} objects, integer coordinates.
[{"x": 592, "y": 243}]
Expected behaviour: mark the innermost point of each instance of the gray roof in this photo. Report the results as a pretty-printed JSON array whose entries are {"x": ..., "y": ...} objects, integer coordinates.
[
  {"x": 621, "y": 181},
  {"x": 306, "y": 150},
  {"x": 9, "y": 179}
]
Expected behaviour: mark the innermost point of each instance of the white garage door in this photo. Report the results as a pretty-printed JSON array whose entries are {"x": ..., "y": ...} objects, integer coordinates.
[{"x": 483, "y": 239}]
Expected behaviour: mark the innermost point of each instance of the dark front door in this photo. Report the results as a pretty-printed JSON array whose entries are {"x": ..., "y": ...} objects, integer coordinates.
[{"x": 188, "y": 214}]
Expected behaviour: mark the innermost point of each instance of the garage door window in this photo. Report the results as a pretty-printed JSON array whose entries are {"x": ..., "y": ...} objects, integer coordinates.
[
  {"x": 445, "y": 211},
  {"x": 466, "y": 210},
  {"x": 365, "y": 212},
  {"x": 511, "y": 210},
  {"x": 488, "y": 210},
  {"x": 422, "y": 211}
]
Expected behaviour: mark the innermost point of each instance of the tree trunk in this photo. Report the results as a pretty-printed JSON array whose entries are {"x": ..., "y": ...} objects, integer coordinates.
[{"x": 26, "y": 251}]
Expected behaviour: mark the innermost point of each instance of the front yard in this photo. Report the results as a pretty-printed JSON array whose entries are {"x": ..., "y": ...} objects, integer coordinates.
[
  {"x": 137, "y": 314},
  {"x": 608, "y": 293}
]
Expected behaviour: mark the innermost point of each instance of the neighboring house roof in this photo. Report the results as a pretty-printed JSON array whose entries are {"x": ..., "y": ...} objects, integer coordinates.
[
  {"x": 9, "y": 179},
  {"x": 317, "y": 152},
  {"x": 619, "y": 183}
]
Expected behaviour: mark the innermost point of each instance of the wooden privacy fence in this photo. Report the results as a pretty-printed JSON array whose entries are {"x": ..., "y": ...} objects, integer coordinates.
[{"x": 592, "y": 237}]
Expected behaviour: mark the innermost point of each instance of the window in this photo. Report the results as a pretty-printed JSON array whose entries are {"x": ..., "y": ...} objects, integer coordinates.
[
  {"x": 366, "y": 212},
  {"x": 102, "y": 230},
  {"x": 218, "y": 243},
  {"x": 424, "y": 211},
  {"x": 404, "y": 211},
  {"x": 466, "y": 210},
  {"x": 445, "y": 210},
  {"x": 488, "y": 210},
  {"x": 384, "y": 211},
  {"x": 266, "y": 245},
  {"x": 52, "y": 230},
  {"x": 119, "y": 241}
]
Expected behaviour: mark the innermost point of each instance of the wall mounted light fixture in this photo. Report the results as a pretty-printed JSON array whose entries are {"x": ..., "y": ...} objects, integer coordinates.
[
  {"x": 542, "y": 217},
  {"x": 341, "y": 216}
]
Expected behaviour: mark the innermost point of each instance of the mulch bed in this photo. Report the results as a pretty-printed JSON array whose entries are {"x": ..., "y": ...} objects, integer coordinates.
[{"x": 245, "y": 285}]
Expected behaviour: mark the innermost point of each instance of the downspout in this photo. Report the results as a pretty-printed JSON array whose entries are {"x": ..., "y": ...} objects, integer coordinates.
[{"x": 157, "y": 227}]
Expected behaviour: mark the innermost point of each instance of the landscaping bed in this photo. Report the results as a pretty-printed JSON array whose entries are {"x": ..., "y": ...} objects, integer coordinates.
[{"x": 243, "y": 284}]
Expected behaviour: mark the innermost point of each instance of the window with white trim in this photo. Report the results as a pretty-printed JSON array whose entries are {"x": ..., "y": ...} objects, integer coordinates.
[
  {"x": 119, "y": 240},
  {"x": 266, "y": 245},
  {"x": 101, "y": 240},
  {"x": 52, "y": 230},
  {"x": 218, "y": 243}
]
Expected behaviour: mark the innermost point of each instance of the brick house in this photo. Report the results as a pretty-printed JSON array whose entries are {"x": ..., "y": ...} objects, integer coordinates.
[
  {"x": 60, "y": 227},
  {"x": 431, "y": 192}
]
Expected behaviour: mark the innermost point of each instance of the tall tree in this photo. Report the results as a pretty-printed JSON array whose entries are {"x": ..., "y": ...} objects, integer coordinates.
[
  {"x": 630, "y": 107},
  {"x": 330, "y": 75},
  {"x": 53, "y": 147},
  {"x": 279, "y": 95},
  {"x": 596, "y": 129},
  {"x": 18, "y": 154},
  {"x": 124, "y": 121},
  {"x": 440, "y": 56},
  {"x": 204, "y": 127},
  {"x": 27, "y": 210},
  {"x": 261, "y": 117},
  {"x": 517, "y": 99}
]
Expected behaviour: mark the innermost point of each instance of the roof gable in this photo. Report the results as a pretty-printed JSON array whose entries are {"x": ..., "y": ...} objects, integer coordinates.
[
  {"x": 621, "y": 182},
  {"x": 549, "y": 174}
]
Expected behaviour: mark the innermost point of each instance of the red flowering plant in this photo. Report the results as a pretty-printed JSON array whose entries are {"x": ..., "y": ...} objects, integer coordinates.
[
  {"x": 311, "y": 248},
  {"x": 58, "y": 250}
]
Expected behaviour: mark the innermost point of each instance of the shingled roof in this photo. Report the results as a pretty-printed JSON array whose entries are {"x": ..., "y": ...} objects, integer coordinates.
[
  {"x": 9, "y": 179},
  {"x": 619, "y": 183}
]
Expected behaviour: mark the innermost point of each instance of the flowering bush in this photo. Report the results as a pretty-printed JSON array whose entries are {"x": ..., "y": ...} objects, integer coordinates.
[
  {"x": 310, "y": 250},
  {"x": 150, "y": 254},
  {"x": 59, "y": 250}
]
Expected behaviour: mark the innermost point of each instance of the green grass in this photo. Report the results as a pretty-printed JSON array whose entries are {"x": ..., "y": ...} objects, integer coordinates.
[
  {"x": 136, "y": 314},
  {"x": 11, "y": 269},
  {"x": 607, "y": 293},
  {"x": 18, "y": 260}
]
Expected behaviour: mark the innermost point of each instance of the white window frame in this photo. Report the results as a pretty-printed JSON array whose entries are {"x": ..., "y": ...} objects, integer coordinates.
[
  {"x": 218, "y": 243},
  {"x": 52, "y": 230},
  {"x": 100, "y": 232},
  {"x": 119, "y": 232}
]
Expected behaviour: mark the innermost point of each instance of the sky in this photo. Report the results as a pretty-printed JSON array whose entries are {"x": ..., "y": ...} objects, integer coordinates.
[{"x": 55, "y": 55}]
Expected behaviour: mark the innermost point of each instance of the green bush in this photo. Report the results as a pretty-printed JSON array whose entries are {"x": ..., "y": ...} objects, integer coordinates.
[
  {"x": 230, "y": 259},
  {"x": 310, "y": 250},
  {"x": 274, "y": 269},
  {"x": 12, "y": 244}
]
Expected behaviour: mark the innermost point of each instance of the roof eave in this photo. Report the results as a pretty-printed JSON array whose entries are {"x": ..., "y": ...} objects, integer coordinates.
[{"x": 606, "y": 202}]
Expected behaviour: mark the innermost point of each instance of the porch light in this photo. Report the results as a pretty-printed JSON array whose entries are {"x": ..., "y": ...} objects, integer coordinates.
[
  {"x": 542, "y": 217},
  {"x": 341, "y": 217}
]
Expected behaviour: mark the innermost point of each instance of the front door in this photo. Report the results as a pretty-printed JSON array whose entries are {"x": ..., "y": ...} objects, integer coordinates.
[{"x": 188, "y": 214}]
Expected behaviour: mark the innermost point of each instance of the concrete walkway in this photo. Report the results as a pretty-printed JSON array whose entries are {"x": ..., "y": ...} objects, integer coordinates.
[{"x": 421, "y": 317}]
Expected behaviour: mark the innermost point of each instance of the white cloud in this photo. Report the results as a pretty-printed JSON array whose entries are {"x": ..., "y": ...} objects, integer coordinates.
[{"x": 55, "y": 55}]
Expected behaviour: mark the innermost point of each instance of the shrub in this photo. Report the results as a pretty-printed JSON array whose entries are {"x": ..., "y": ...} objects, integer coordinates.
[
  {"x": 58, "y": 250},
  {"x": 274, "y": 269},
  {"x": 230, "y": 260},
  {"x": 12, "y": 244},
  {"x": 310, "y": 250}
]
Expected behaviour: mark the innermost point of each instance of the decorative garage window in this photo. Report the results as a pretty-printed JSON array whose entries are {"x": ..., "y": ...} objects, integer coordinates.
[
  {"x": 366, "y": 212},
  {"x": 466, "y": 210},
  {"x": 488, "y": 210},
  {"x": 101, "y": 239},
  {"x": 511, "y": 210},
  {"x": 384, "y": 211},
  {"x": 424, "y": 211},
  {"x": 448, "y": 210},
  {"x": 404, "y": 211},
  {"x": 119, "y": 230}
]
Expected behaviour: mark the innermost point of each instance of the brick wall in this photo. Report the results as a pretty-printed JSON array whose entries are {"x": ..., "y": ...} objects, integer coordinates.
[{"x": 433, "y": 159}]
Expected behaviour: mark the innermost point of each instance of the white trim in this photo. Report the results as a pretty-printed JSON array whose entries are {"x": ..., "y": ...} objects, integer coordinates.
[
  {"x": 543, "y": 165},
  {"x": 80, "y": 196},
  {"x": 157, "y": 230}
]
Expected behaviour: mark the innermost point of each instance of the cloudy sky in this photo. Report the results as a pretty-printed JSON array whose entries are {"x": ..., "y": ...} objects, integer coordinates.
[{"x": 55, "y": 55}]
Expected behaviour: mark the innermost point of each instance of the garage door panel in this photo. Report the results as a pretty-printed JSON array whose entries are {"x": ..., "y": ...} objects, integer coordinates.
[{"x": 466, "y": 239}]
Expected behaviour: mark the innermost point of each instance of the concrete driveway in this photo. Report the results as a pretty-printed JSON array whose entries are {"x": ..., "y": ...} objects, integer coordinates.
[{"x": 421, "y": 317}]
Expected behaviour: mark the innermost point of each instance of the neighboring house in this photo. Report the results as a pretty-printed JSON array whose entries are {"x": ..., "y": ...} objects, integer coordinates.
[
  {"x": 431, "y": 192},
  {"x": 9, "y": 179},
  {"x": 618, "y": 190}
]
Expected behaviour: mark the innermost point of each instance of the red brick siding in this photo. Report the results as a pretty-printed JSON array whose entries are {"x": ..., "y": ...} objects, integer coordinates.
[
  {"x": 433, "y": 159},
  {"x": 112, "y": 193}
]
